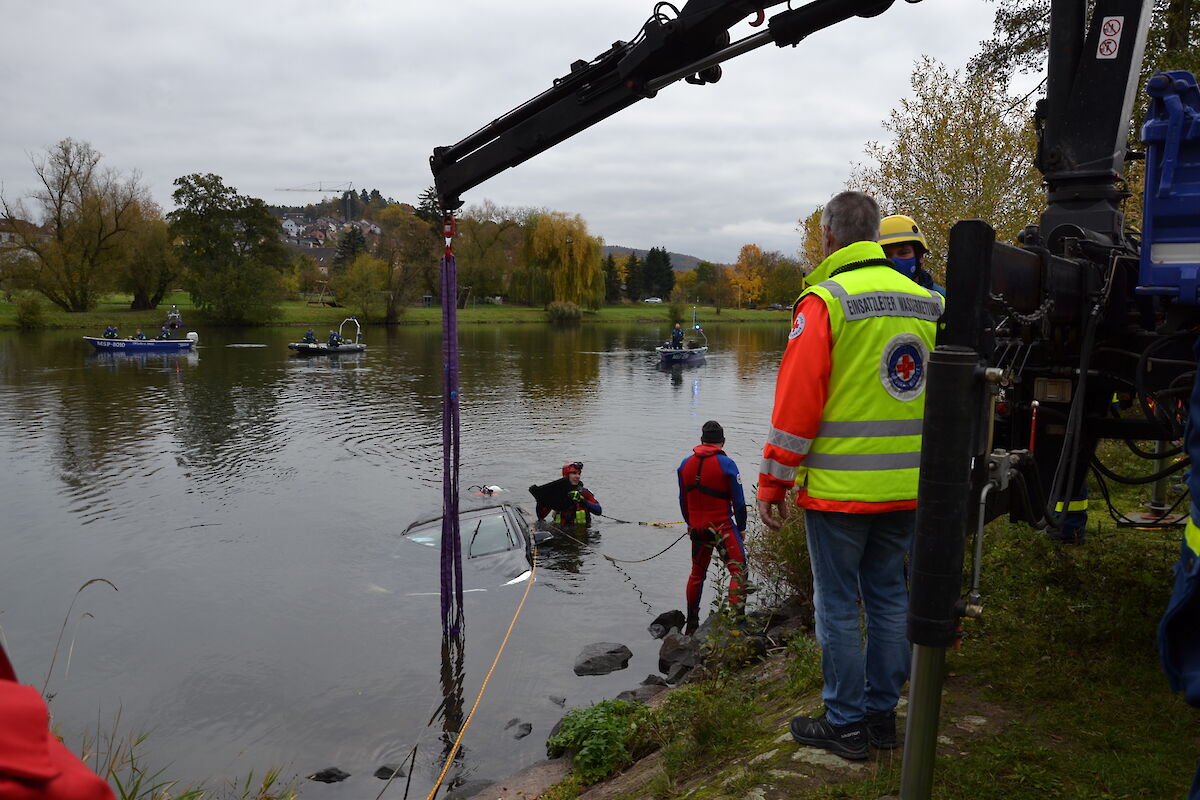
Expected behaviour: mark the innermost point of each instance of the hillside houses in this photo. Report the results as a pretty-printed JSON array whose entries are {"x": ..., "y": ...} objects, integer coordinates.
[{"x": 297, "y": 230}]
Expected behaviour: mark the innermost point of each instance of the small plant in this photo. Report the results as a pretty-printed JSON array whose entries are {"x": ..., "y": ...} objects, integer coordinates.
[
  {"x": 804, "y": 666},
  {"x": 780, "y": 557},
  {"x": 30, "y": 311},
  {"x": 702, "y": 721},
  {"x": 601, "y": 739},
  {"x": 564, "y": 312},
  {"x": 567, "y": 789}
]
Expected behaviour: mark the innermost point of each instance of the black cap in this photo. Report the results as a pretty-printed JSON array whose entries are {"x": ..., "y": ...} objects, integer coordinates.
[{"x": 712, "y": 432}]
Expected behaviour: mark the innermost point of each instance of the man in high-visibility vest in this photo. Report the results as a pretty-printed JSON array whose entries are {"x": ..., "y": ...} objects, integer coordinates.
[{"x": 846, "y": 431}]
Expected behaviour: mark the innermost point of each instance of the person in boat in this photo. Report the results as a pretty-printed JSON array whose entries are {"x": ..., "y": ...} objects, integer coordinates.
[
  {"x": 576, "y": 504},
  {"x": 309, "y": 337},
  {"x": 714, "y": 508},
  {"x": 165, "y": 333},
  {"x": 110, "y": 333},
  {"x": 677, "y": 337},
  {"x": 335, "y": 340},
  {"x": 140, "y": 334},
  {"x": 174, "y": 318}
]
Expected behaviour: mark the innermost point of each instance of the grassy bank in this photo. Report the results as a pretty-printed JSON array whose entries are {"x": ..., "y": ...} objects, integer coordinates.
[
  {"x": 1057, "y": 692},
  {"x": 114, "y": 310}
]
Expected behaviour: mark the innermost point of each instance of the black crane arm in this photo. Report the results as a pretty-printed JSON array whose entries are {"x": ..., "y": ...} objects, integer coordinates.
[{"x": 689, "y": 46}]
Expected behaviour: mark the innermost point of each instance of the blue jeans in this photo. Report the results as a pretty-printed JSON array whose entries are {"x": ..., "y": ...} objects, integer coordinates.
[{"x": 860, "y": 555}]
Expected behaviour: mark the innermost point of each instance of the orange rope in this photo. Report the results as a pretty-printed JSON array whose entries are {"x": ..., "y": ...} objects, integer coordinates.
[{"x": 450, "y": 758}]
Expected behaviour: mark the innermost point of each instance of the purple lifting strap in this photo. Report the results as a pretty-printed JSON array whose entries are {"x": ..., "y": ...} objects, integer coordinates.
[{"x": 452, "y": 579}]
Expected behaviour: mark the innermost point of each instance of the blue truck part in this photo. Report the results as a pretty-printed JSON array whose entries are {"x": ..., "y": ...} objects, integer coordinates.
[{"x": 1170, "y": 256}]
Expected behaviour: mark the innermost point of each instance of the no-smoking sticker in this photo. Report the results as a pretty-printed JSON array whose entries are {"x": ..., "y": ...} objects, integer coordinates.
[{"x": 1110, "y": 37}]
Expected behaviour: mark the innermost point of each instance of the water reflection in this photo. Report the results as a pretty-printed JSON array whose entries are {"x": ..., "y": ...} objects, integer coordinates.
[
  {"x": 165, "y": 361},
  {"x": 451, "y": 709}
]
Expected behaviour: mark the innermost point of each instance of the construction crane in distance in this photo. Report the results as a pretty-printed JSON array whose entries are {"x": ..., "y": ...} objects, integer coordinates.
[{"x": 326, "y": 187}]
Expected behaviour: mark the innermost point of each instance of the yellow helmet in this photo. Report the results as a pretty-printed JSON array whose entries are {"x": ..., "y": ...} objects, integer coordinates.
[{"x": 899, "y": 228}]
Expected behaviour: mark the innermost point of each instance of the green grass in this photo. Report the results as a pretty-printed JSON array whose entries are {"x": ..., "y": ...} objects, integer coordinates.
[{"x": 114, "y": 310}]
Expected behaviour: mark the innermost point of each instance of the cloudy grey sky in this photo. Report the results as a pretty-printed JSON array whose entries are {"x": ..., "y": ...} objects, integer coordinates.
[{"x": 270, "y": 95}]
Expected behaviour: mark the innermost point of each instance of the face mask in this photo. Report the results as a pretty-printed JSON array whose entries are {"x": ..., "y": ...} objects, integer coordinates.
[{"x": 907, "y": 266}]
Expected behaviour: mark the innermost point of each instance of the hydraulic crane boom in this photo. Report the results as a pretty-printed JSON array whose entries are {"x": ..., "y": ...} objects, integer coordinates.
[{"x": 690, "y": 46}]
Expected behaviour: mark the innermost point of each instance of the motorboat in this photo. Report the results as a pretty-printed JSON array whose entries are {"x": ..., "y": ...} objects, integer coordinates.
[
  {"x": 104, "y": 344},
  {"x": 693, "y": 351},
  {"x": 325, "y": 348}
]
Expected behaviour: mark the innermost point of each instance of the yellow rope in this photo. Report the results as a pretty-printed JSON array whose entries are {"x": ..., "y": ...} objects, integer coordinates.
[{"x": 450, "y": 758}]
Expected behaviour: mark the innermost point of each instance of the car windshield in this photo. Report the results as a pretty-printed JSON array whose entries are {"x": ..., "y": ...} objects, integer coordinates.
[{"x": 481, "y": 536}]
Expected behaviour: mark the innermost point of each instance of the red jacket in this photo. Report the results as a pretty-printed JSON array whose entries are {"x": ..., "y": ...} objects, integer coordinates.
[{"x": 34, "y": 764}]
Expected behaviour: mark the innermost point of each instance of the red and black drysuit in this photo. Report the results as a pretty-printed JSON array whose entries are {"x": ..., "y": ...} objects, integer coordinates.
[{"x": 714, "y": 508}]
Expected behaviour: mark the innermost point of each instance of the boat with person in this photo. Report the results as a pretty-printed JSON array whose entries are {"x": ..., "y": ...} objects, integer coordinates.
[
  {"x": 114, "y": 344},
  {"x": 337, "y": 342},
  {"x": 690, "y": 349}
]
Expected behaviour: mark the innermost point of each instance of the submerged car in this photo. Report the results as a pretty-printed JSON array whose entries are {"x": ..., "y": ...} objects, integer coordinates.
[{"x": 497, "y": 543}]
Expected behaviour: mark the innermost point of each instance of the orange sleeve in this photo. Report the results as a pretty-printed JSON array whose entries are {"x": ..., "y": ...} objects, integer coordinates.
[{"x": 800, "y": 394}]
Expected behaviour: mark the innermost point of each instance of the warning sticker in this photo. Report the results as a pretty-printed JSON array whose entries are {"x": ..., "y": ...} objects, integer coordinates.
[{"x": 1110, "y": 37}]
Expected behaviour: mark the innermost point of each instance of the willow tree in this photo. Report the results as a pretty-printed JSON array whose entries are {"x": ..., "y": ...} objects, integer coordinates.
[
  {"x": 558, "y": 246},
  {"x": 73, "y": 233},
  {"x": 960, "y": 148}
]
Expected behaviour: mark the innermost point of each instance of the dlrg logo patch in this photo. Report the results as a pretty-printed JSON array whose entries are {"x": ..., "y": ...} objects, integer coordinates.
[{"x": 902, "y": 366}]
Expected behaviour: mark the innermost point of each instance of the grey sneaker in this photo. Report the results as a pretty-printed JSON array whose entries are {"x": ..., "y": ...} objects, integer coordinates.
[
  {"x": 881, "y": 730},
  {"x": 847, "y": 741}
]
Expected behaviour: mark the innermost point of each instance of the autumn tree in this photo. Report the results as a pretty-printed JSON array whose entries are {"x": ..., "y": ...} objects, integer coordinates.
[
  {"x": 558, "y": 245},
  {"x": 410, "y": 250},
  {"x": 812, "y": 241},
  {"x": 748, "y": 274},
  {"x": 685, "y": 285},
  {"x": 74, "y": 229},
  {"x": 961, "y": 148},
  {"x": 230, "y": 249}
]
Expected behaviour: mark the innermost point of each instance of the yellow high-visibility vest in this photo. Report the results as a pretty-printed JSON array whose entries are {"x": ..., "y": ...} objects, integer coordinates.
[{"x": 883, "y": 326}]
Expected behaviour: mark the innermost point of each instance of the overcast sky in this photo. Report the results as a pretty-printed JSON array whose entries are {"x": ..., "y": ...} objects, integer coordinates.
[{"x": 271, "y": 95}]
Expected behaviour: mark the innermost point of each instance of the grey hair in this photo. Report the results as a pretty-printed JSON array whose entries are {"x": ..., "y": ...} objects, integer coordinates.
[{"x": 851, "y": 217}]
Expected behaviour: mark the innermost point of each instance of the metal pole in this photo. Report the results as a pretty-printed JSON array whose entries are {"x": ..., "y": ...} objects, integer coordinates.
[{"x": 924, "y": 703}]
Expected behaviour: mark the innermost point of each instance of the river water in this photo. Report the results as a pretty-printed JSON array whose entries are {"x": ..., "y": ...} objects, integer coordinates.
[{"x": 247, "y": 504}]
